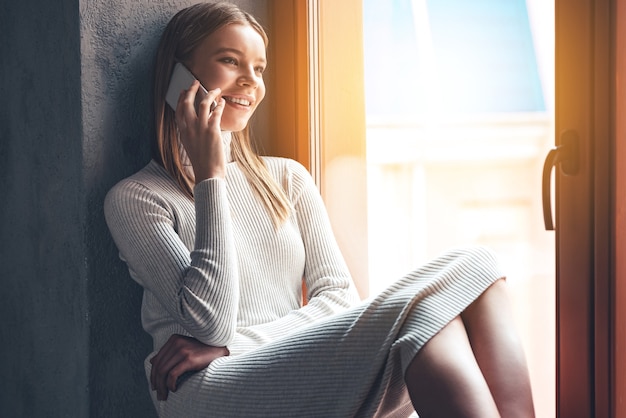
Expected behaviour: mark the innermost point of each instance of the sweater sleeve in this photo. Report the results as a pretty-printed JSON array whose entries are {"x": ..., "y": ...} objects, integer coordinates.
[
  {"x": 199, "y": 289},
  {"x": 329, "y": 284}
]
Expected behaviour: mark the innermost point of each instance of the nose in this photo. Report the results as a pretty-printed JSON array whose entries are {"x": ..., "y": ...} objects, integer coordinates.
[{"x": 248, "y": 78}]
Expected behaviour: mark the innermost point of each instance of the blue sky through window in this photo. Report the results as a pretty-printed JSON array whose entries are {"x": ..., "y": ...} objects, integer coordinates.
[{"x": 482, "y": 58}]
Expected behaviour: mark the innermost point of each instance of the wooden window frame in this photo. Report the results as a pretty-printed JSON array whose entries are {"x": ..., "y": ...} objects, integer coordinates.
[
  {"x": 308, "y": 124},
  {"x": 318, "y": 112}
]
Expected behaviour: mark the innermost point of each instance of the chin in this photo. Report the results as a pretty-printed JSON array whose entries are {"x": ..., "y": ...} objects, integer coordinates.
[{"x": 233, "y": 127}]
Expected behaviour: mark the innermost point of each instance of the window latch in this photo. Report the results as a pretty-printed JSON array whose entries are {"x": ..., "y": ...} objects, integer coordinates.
[{"x": 566, "y": 155}]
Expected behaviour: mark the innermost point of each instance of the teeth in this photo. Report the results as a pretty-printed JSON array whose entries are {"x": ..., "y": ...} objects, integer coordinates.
[{"x": 242, "y": 102}]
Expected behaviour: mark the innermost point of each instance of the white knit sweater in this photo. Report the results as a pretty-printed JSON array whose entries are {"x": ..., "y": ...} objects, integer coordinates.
[{"x": 217, "y": 269}]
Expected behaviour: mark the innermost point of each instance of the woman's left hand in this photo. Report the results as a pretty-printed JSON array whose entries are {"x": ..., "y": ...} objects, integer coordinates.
[{"x": 179, "y": 355}]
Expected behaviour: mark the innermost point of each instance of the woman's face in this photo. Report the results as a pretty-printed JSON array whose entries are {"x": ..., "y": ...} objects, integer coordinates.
[{"x": 233, "y": 59}]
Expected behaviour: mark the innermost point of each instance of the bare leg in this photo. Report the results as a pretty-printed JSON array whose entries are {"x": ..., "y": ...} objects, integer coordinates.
[
  {"x": 498, "y": 351},
  {"x": 444, "y": 379}
]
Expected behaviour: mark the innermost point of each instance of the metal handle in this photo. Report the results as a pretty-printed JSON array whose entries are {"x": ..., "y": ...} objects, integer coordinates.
[{"x": 565, "y": 154}]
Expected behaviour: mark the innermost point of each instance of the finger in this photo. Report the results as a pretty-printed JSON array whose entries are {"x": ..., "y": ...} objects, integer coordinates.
[
  {"x": 160, "y": 383},
  {"x": 206, "y": 104},
  {"x": 190, "y": 363},
  {"x": 156, "y": 362},
  {"x": 175, "y": 366},
  {"x": 162, "y": 394},
  {"x": 174, "y": 362},
  {"x": 185, "y": 108},
  {"x": 154, "y": 370},
  {"x": 216, "y": 116},
  {"x": 161, "y": 358},
  {"x": 175, "y": 373},
  {"x": 214, "y": 95}
]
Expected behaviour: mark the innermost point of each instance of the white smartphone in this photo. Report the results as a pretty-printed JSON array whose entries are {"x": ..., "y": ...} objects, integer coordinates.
[{"x": 181, "y": 80}]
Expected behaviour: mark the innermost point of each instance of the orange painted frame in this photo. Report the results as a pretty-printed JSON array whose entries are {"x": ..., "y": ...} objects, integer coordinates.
[
  {"x": 289, "y": 120},
  {"x": 318, "y": 116}
]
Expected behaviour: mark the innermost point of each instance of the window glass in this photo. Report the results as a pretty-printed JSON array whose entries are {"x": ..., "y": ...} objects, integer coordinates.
[{"x": 459, "y": 116}]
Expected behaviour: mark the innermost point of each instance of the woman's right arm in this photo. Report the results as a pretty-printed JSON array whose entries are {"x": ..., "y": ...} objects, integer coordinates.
[{"x": 199, "y": 289}]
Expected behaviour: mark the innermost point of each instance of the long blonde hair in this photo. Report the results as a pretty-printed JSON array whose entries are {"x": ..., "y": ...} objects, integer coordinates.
[{"x": 184, "y": 32}]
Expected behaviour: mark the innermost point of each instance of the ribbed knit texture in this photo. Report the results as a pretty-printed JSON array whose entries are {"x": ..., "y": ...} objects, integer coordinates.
[{"x": 218, "y": 270}]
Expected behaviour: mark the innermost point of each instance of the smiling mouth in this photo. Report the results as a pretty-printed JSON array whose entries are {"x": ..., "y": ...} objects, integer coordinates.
[{"x": 242, "y": 102}]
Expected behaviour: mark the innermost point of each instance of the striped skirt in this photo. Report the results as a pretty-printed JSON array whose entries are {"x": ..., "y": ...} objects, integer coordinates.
[{"x": 349, "y": 365}]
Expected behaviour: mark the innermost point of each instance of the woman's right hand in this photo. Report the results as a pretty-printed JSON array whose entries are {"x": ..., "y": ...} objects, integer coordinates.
[
  {"x": 200, "y": 132},
  {"x": 179, "y": 355}
]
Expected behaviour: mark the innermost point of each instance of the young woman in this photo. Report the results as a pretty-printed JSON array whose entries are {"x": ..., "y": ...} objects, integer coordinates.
[{"x": 221, "y": 239}]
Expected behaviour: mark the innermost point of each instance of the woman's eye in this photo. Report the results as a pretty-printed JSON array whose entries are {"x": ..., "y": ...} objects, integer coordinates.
[
  {"x": 260, "y": 70},
  {"x": 229, "y": 61}
]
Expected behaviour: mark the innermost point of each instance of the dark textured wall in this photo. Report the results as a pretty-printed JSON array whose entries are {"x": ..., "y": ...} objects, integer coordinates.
[
  {"x": 74, "y": 119},
  {"x": 118, "y": 39},
  {"x": 43, "y": 260}
]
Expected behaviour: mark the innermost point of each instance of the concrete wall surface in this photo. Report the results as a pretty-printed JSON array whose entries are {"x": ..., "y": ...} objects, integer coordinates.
[{"x": 75, "y": 80}]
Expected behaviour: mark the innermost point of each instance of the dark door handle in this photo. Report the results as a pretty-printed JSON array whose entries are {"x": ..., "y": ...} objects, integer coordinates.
[{"x": 565, "y": 154}]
